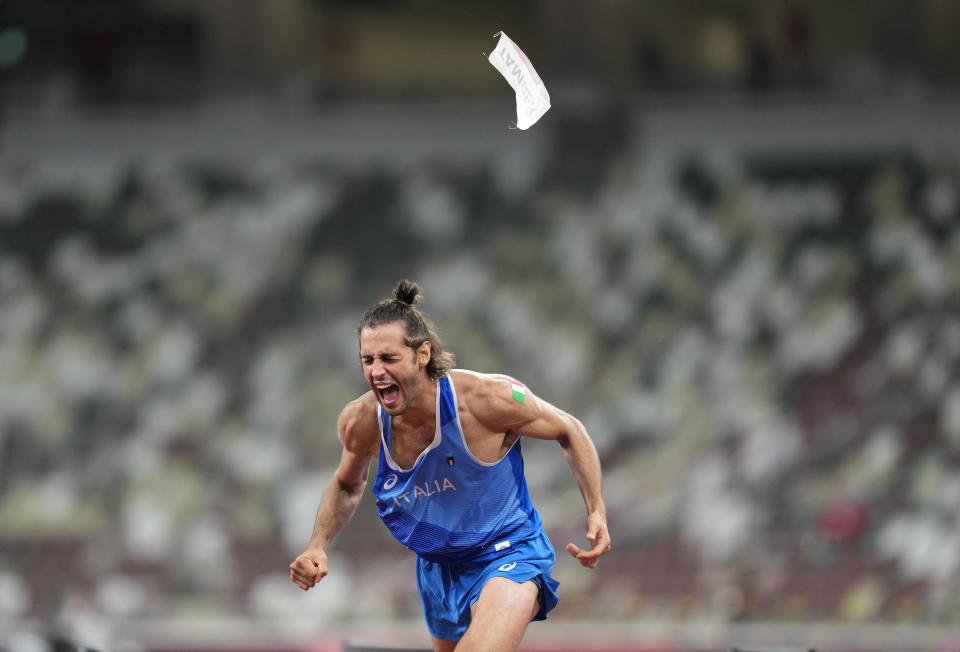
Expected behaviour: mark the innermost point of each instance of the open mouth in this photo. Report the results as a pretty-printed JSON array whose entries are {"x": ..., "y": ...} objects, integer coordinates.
[{"x": 389, "y": 394}]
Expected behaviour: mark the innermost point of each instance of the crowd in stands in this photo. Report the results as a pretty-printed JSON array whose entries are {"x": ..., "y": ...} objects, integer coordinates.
[{"x": 765, "y": 351}]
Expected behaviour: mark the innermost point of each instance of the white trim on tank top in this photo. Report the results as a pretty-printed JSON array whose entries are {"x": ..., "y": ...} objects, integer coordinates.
[
  {"x": 388, "y": 454},
  {"x": 463, "y": 438},
  {"x": 438, "y": 436}
]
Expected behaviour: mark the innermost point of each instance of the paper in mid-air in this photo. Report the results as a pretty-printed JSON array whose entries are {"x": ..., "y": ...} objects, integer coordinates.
[{"x": 533, "y": 100}]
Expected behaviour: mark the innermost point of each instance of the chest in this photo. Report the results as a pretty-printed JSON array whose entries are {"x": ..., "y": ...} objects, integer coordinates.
[{"x": 407, "y": 444}]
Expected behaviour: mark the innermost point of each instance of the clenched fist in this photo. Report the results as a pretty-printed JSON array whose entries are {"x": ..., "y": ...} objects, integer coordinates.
[{"x": 308, "y": 569}]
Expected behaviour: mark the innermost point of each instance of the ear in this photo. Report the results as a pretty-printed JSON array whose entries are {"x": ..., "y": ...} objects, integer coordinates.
[{"x": 423, "y": 354}]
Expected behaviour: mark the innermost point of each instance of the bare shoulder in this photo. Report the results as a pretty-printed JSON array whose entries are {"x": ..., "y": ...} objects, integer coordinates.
[
  {"x": 358, "y": 428},
  {"x": 497, "y": 400}
]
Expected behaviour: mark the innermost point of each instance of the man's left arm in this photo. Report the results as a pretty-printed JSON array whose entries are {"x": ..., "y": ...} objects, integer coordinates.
[
  {"x": 582, "y": 457},
  {"x": 535, "y": 417}
]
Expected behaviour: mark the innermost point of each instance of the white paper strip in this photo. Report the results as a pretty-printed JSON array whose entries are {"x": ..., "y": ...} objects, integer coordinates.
[{"x": 533, "y": 100}]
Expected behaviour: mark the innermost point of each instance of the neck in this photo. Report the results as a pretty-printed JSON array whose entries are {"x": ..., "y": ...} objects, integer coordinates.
[{"x": 423, "y": 412}]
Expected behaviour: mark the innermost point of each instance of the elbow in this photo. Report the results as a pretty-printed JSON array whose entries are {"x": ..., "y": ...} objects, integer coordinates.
[
  {"x": 349, "y": 487},
  {"x": 352, "y": 489},
  {"x": 574, "y": 432}
]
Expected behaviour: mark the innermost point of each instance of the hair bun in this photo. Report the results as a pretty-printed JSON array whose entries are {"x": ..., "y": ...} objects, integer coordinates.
[{"x": 407, "y": 291}]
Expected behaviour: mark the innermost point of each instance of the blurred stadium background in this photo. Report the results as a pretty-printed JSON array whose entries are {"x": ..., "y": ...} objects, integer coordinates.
[{"x": 732, "y": 247}]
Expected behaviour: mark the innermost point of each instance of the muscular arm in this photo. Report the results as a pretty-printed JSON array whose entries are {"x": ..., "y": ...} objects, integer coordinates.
[
  {"x": 342, "y": 495},
  {"x": 496, "y": 408}
]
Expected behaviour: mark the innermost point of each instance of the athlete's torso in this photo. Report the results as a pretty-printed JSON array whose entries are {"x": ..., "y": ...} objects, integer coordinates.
[{"x": 450, "y": 506}]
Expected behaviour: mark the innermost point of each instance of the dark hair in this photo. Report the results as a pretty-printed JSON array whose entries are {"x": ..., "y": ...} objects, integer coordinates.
[{"x": 418, "y": 327}]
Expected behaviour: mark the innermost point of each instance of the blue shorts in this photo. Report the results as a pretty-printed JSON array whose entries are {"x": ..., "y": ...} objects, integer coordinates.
[{"x": 448, "y": 590}]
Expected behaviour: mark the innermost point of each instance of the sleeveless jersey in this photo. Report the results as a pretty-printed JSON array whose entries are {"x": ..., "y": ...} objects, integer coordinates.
[{"x": 450, "y": 506}]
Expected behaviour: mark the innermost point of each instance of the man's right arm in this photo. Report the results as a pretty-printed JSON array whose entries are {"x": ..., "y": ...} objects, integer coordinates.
[{"x": 342, "y": 495}]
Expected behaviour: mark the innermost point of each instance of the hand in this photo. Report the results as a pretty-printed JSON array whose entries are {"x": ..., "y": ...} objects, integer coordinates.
[
  {"x": 309, "y": 568},
  {"x": 599, "y": 539}
]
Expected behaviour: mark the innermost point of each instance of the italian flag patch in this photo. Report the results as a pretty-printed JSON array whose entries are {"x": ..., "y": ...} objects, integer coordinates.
[{"x": 519, "y": 391}]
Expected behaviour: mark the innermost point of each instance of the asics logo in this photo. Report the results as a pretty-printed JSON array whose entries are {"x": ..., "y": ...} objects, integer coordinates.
[
  {"x": 507, "y": 567},
  {"x": 390, "y": 482}
]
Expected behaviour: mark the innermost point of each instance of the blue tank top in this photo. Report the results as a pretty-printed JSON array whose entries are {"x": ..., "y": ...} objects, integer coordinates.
[{"x": 450, "y": 506}]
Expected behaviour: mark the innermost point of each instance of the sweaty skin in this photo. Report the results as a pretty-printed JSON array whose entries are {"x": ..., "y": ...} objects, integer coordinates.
[{"x": 490, "y": 418}]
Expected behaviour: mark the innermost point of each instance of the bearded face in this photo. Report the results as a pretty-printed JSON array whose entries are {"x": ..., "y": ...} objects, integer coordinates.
[{"x": 395, "y": 372}]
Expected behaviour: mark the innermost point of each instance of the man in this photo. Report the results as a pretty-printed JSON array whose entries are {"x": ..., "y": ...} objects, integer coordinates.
[{"x": 450, "y": 483}]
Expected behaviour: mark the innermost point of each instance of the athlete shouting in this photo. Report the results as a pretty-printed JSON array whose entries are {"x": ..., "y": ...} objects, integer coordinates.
[{"x": 450, "y": 483}]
